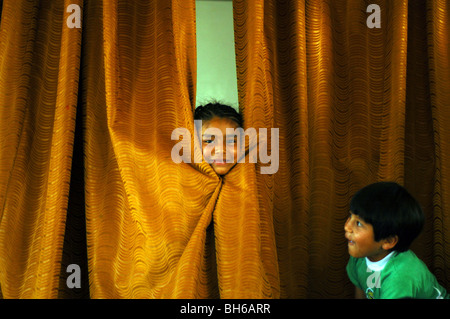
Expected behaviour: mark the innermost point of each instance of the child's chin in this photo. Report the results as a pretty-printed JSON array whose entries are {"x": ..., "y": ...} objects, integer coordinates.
[
  {"x": 352, "y": 253},
  {"x": 221, "y": 169}
]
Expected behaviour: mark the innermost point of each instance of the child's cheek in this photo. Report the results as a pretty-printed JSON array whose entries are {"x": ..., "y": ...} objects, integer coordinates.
[
  {"x": 232, "y": 153},
  {"x": 208, "y": 152}
]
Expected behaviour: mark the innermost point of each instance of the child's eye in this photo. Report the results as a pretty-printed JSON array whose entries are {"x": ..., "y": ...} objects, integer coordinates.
[
  {"x": 208, "y": 141},
  {"x": 358, "y": 223}
]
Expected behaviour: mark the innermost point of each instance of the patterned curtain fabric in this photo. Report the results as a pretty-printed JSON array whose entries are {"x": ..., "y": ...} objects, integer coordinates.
[
  {"x": 39, "y": 70},
  {"x": 87, "y": 114}
]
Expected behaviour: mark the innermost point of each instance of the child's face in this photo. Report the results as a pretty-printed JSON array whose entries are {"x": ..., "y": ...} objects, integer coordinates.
[
  {"x": 361, "y": 242},
  {"x": 219, "y": 152}
]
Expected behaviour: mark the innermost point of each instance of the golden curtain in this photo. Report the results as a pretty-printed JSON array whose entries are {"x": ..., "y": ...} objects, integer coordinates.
[
  {"x": 39, "y": 68},
  {"x": 87, "y": 178},
  {"x": 354, "y": 105}
]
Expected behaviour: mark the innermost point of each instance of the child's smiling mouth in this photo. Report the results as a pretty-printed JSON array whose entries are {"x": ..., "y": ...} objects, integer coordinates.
[{"x": 220, "y": 163}]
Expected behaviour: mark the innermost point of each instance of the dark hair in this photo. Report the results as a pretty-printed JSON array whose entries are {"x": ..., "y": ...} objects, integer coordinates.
[
  {"x": 391, "y": 211},
  {"x": 215, "y": 109}
]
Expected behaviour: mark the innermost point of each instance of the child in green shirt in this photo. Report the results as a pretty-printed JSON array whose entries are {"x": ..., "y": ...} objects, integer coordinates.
[{"x": 384, "y": 220}]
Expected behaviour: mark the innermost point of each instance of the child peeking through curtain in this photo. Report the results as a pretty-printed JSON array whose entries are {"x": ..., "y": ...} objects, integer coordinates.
[
  {"x": 219, "y": 142},
  {"x": 222, "y": 142}
]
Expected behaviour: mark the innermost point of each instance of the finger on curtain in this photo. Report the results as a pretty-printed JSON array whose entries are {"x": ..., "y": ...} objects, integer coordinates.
[{"x": 38, "y": 97}]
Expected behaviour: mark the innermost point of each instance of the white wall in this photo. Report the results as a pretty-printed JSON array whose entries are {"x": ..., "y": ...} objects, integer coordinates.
[{"x": 216, "y": 64}]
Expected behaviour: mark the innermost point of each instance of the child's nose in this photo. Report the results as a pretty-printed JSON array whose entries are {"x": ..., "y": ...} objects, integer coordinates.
[
  {"x": 219, "y": 148},
  {"x": 347, "y": 227}
]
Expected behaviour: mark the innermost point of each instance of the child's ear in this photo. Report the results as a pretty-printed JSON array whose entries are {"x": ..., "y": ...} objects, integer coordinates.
[{"x": 390, "y": 242}]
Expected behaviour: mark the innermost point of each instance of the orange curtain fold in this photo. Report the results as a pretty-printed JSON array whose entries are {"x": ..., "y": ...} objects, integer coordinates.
[
  {"x": 262, "y": 105},
  {"x": 39, "y": 60},
  {"x": 438, "y": 31},
  {"x": 247, "y": 262}
]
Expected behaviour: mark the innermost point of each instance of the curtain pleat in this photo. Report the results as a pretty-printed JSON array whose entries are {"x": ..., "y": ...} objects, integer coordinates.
[
  {"x": 39, "y": 59},
  {"x": 248, "y": 270},
  {"x": 439, "y": 78},
  {"x": 258, "y": 69}
]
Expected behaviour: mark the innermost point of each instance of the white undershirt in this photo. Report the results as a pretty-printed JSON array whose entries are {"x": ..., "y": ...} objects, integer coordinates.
[{"x": 378, "y": 265}]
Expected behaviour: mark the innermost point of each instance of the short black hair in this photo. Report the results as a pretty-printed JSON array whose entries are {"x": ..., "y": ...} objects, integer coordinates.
[
  {"x": 391, "y": 210},
  {"x": 215, "y": 109}
]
